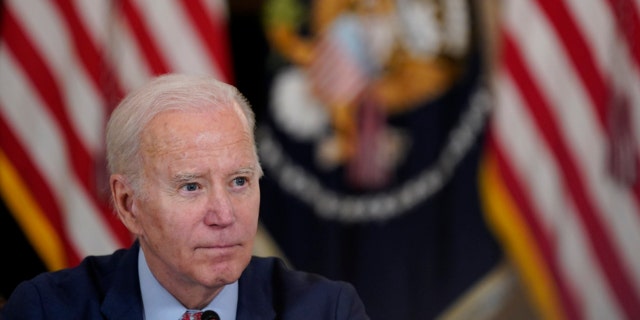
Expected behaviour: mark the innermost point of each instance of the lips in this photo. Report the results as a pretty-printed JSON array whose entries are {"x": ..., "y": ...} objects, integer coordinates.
[{"x": 218, "y": 247}]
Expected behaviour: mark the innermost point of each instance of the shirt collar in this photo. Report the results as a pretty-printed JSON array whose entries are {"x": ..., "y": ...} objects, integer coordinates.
[{"x": 158, "y": 303}]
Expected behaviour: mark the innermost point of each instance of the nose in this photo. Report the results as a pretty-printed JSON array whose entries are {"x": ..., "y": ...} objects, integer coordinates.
[{"x": 220, "y": 209}]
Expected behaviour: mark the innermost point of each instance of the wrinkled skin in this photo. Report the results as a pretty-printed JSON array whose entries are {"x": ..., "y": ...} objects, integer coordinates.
[{"x": 197, "y": 213}]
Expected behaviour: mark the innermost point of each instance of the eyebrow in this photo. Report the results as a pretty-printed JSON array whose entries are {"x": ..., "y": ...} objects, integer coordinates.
[
  {"x": 247, "y": 170},
  {"x": 184, "y": 177}
]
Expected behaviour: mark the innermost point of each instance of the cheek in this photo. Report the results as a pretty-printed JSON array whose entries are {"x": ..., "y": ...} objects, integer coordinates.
[
  {"x": 250, "y": 215},
  {"x": 157, "y": 219},
  {"x": 246, "y": 209}
]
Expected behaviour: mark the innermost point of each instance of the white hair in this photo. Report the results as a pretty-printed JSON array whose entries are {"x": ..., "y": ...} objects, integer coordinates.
[{"x": 164, "y": 93}]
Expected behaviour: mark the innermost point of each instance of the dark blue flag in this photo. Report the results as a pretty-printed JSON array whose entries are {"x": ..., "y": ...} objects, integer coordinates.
[{"x": 370, "y": 146}]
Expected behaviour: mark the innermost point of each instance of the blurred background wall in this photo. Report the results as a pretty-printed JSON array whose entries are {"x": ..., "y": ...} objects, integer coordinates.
[{"x": 452, "y": 159}]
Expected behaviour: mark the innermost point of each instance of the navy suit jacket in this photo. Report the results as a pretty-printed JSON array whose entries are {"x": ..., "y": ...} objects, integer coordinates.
[{"x": 107, "y": 287}]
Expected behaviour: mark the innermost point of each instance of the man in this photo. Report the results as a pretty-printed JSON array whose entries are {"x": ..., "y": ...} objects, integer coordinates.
[{"x": 184, "y": 180}]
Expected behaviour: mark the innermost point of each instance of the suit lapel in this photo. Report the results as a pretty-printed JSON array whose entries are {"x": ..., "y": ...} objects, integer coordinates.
[
  {"x": 255, "y": 296},
  {"x": 122, "y": 297}
]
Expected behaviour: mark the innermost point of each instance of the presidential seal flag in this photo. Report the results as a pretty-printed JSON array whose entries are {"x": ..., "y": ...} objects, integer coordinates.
[
  {"x": 560, "y": 176},
  {"x": 64, "y": 65},
  {"x": 370, "y": 145}
]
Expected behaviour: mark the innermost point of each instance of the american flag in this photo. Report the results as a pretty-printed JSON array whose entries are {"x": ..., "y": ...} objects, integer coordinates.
[
  {"x": 64, "y": 65},
  {"x": 560, "y": 178}
]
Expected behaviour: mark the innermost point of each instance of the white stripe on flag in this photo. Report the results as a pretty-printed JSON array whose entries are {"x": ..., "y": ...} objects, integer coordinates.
[
  {"x": 592, "y": 221},
  {"x": 79, "y": 61}
]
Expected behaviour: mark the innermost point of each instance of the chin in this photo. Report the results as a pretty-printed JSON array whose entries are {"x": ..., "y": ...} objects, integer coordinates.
[
  {"x": 226, "y": 272},
  {"x": 221, "y": 276}
]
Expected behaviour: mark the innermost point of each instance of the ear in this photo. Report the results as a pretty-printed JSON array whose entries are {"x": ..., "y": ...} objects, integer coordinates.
[{"x": 122, "y": 195}]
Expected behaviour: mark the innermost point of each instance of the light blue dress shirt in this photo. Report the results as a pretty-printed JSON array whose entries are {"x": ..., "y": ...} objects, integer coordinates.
[{"x": 159, "y": 304}]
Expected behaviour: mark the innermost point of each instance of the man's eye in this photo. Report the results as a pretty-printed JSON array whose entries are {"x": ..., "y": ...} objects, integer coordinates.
[
  {"x": 240, "y": 181},
  {"x": 190, "y": 187}
]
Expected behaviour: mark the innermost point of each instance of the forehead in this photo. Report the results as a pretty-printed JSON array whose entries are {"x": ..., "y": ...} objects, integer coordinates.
[{"x": 174, "y": 129}]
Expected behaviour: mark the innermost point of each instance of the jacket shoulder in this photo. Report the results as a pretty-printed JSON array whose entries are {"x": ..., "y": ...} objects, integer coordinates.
[
  {"x": 68, "y": 291},
  {"x": 301, "y": 295}
]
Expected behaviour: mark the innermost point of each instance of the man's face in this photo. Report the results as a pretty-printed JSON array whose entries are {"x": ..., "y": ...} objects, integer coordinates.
[{"x": 198, "y": 215}]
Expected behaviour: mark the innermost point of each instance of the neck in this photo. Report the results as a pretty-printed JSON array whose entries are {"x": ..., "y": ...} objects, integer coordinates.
[
  {"x": 190, "y": 293},
  {"x": 193, "y": 298}
]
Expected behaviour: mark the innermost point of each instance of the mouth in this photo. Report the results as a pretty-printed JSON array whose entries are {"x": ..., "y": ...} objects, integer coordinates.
[{"x": 218, "y": 248}]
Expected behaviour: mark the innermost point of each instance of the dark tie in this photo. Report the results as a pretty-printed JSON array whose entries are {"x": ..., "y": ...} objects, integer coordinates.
[{"x": 205, "y": 315}]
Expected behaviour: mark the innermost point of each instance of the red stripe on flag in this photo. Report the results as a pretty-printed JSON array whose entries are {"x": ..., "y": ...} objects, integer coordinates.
[
  {"x": 213, "y": 35},
  {"x": 38, "y": 186},
  {"x": 87, "y": 51},
  {"x": 580, "y": 55},
  {"x": 92, "y": 58},
  {"x": 628, "y": 23},
  {"x": 607, "y": 254},
  {"x": 40, "y": 76},
  {"x": 43, "y": 81},
  {"x": 543, "y": 241},
  {"x": 153, "y": 55},
  {"x": 636, "y": 189},
  {"x": 105, "y": 83}
]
